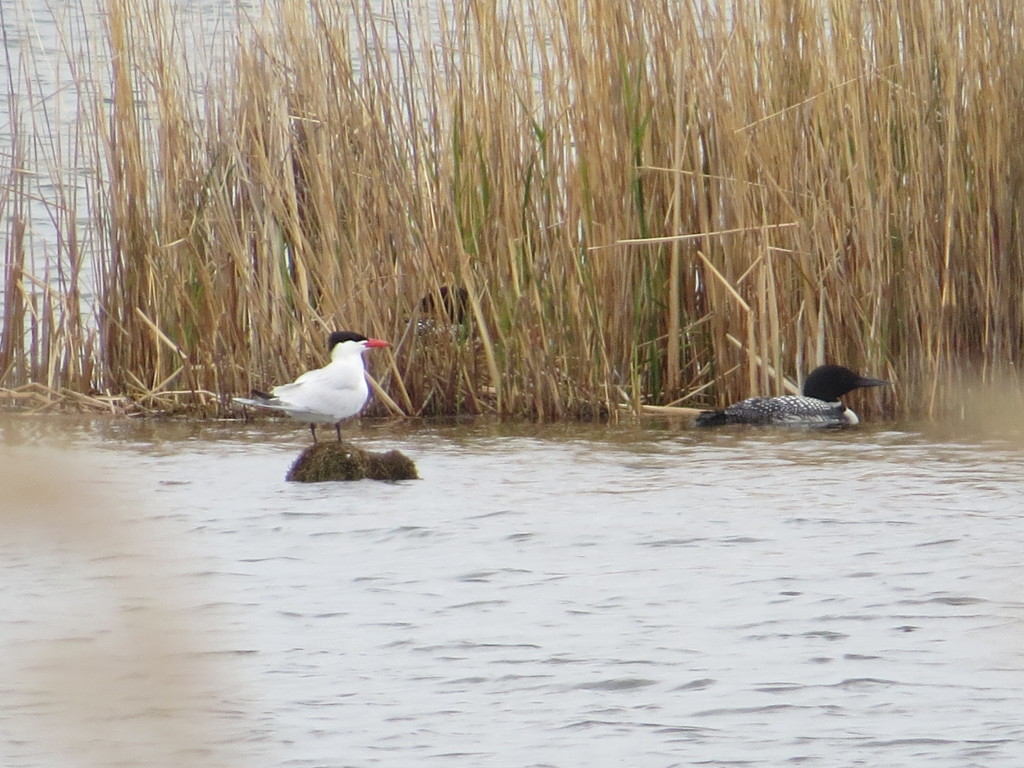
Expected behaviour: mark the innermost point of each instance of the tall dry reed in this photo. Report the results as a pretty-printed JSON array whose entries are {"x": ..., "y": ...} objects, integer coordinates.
[{"x": 644, "y": 202}]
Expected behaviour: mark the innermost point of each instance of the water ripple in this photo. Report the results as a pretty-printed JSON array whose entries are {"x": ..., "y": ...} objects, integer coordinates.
[{"x": 638, "y": 597}]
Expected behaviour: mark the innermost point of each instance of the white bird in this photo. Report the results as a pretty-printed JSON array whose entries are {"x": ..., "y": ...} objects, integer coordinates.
[{"x": 328, "y": 395}]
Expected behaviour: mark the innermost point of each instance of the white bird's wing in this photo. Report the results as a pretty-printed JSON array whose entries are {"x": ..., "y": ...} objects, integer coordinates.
[
  {"x": 336, "y": 390},
  {"x": 273, "y": 403},
  {"x": 319, "y": 380},
  {"x": 324, "y": 395},
  {"x": 315, "y": 378}
]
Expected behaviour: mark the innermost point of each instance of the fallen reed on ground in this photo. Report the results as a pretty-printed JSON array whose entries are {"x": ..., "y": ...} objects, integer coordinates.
[{"x": 640, "y": 202}]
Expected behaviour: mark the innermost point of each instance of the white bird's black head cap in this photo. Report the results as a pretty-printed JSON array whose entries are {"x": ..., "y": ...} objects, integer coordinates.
[
  {"x": 339, "y": 337},
  {"x": 362, "y": 343}
]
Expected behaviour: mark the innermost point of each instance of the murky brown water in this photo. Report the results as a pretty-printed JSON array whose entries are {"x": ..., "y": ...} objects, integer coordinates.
[{"x": 628, "y": 595}]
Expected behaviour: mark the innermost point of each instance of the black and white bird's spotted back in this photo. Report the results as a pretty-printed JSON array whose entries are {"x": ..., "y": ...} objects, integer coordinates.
[
  {"x": 818, "y": 406},
  {"x": 785, "y": 410}
]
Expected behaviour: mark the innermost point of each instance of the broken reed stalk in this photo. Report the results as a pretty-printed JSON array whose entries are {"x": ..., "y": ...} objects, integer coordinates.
[{"x": 619, "y": 188}]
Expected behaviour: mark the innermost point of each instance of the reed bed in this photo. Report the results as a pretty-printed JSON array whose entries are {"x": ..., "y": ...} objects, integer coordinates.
[{"x": 644, "y": 202}]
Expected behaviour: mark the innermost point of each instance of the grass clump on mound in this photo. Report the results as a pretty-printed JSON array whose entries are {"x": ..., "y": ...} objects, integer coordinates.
[{"x": 323, "y": 462}]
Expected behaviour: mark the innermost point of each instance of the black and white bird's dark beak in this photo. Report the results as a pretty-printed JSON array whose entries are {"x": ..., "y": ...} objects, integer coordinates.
[{"x": 866, "y": 381}]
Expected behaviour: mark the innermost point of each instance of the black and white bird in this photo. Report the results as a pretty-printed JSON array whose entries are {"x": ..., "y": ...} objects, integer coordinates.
[
  {"x": 818, "y": 406},
  {"x": 328, "y": 395}
]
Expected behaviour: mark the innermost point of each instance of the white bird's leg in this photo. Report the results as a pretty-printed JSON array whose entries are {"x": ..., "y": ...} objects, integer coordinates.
[
  {"x": 312, "y": 428},
  {"x": 337, "y": 428}
]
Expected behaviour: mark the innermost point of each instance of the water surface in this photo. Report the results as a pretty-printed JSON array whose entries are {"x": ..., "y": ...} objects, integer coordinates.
[{"x": 641, "y": 595}]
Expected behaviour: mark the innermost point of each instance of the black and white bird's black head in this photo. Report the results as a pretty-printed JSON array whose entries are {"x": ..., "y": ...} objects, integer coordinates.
[{"x": 830, "y": 382}]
